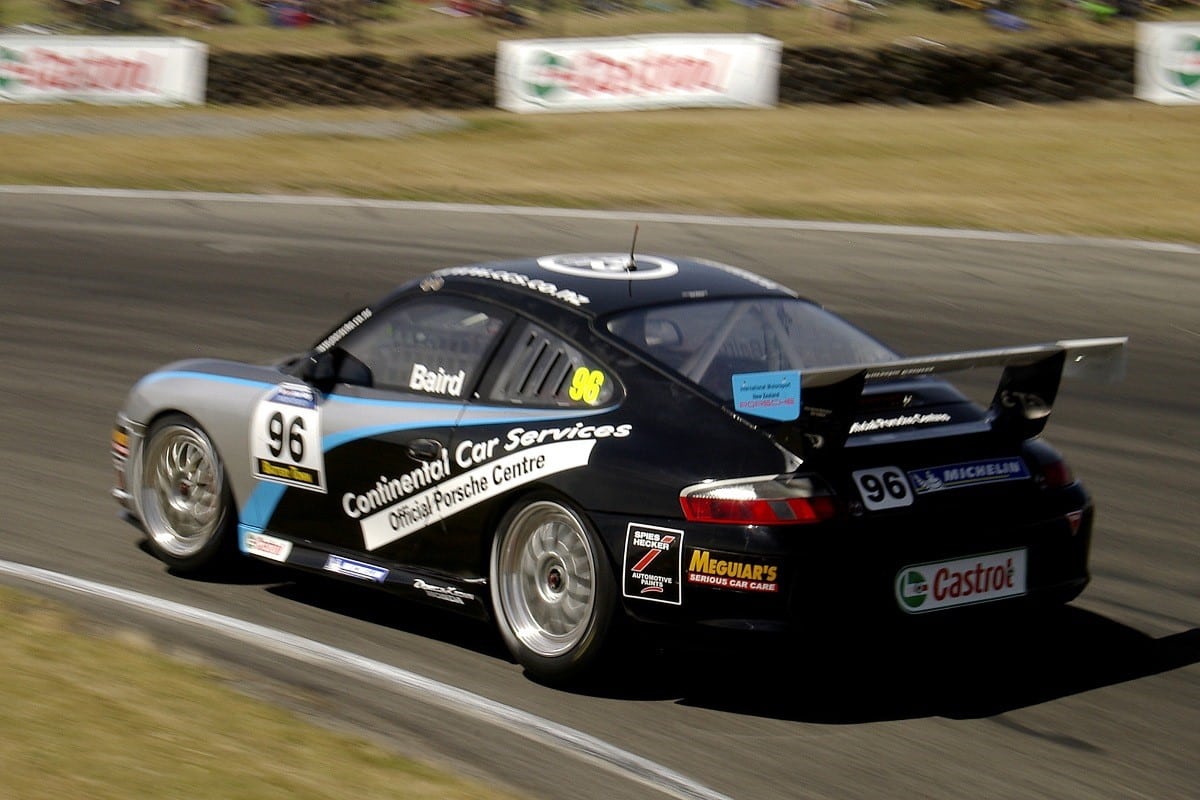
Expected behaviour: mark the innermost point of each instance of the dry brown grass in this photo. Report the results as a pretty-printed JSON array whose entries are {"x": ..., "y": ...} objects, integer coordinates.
[
  {"x": 88, "y": 716},
  {"x": 1113, "y": 168}
]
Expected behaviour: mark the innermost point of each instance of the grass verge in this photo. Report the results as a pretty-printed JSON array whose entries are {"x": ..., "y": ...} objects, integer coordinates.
[
  {"x": 88, "y": 715},
  {"x": 1114, "y": 168}
]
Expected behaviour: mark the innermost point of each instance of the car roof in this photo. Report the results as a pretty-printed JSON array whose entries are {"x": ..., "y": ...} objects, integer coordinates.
[{"x": 597, "y": 284}]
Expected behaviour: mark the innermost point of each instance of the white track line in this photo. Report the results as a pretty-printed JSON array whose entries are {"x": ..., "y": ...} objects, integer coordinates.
[
  {"x": 622, "y": 216},
  {"x": 627, "y": 765}
]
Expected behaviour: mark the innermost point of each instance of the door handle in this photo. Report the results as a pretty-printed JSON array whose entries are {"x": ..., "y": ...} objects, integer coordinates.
[{"x": 425, "y": 449}]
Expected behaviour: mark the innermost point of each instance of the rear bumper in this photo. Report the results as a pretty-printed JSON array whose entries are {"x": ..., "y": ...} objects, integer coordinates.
[{"x": 808, "y": 578}]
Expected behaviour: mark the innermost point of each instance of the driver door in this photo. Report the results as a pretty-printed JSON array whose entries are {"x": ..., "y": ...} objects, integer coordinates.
[{"x": 386, "y": 427}]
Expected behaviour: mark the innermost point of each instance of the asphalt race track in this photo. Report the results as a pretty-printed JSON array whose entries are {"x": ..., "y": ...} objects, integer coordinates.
[{"x": 1099, "y": 701}]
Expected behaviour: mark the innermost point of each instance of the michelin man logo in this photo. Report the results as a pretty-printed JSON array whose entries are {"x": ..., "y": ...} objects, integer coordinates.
[{"x": 609, "y": 265}]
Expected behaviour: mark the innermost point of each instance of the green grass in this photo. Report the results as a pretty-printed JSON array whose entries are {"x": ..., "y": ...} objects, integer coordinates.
[{"x": 101, "y": 715}]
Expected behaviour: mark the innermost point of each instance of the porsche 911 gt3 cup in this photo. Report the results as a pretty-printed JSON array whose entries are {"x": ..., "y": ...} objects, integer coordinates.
[{"x": 566, "y": 442}]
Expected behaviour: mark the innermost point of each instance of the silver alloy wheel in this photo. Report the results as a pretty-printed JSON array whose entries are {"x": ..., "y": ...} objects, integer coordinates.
[
  {"x": 181, "y": 491},
  {"x": 546, "y": 578}
]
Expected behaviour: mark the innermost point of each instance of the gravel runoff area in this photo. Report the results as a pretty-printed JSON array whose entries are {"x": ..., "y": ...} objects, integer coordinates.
[{"x": 219, "y": 125}]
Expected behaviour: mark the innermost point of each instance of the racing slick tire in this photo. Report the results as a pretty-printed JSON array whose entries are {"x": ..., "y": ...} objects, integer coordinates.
[
  {"x": 184, "y": 497},
  {"x": 553, "y": 590}
]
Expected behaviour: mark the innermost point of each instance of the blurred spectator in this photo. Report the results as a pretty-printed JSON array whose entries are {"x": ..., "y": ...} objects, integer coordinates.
[
  {"x": 837, "y": 14},
  {"x": 205, "y": 12},
  {"x": 105, "y": 15},
  {"x": 288, "y": 14},
  {"x": 500, "y": 12}
]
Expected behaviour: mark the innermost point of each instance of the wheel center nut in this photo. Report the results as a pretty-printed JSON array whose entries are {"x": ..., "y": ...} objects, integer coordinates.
[{"x": 554, "y": 579}]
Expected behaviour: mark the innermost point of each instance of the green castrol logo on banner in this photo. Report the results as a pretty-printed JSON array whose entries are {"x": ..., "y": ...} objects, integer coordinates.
[{"x": 1181, "y": 64}]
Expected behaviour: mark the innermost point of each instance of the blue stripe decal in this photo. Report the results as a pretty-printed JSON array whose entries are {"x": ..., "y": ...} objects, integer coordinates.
[
  {"x": 155, "y": 377},
  {"x": 549, "y": 415},
  {"x": 261, "y": 504},
  {"x": 373, "y": 401}
]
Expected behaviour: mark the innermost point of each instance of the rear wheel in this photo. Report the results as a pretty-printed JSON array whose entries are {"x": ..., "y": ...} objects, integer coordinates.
[
  {"x": 553, "y": 590},
  {"x": 185, "y": 501}
]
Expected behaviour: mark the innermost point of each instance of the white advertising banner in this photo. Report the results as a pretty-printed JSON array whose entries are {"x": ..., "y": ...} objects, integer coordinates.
[
  {"x": 110, "y": 70},
  {"x": 637, "y": 72},
  {"x": 1168, "y": 62}
]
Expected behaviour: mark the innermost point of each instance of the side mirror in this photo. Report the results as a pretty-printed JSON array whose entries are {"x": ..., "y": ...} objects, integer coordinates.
[
  {"x": 322, "y": 370},
  {"x": 319, "y": 370}
]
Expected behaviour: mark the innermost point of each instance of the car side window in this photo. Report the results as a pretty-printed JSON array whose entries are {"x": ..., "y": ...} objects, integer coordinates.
[
  {"x": 540, "y": 368},
  {"x": 430, "y": 345}
]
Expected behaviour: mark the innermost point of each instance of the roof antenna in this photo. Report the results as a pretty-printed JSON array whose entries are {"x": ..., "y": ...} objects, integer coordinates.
[{"x": 632, "y": 265}]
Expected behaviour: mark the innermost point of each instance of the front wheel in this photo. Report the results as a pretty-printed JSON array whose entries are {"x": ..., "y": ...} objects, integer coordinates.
[
  {"x": 552, "y": 589},
  {"x": 186, "y": 505}
]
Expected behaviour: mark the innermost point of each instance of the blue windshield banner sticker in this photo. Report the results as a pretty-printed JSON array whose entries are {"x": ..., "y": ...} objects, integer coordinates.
[{"x": 774, "y": 395}]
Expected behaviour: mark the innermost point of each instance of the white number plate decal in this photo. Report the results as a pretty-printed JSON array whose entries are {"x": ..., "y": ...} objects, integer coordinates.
[
  {"x": 883, "y": 487},
  {"x": 285, "y": 438}
]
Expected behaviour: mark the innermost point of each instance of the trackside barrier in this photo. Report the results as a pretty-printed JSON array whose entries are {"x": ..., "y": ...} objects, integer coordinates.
[
  {"x": 637, "y": 72},
  {"x": 1168, "y": 62},
  {"x": 895, "y": 74},
  {"x": 107, "y": 70}
]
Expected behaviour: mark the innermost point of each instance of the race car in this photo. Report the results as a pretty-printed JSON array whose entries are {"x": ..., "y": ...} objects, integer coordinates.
[{"x": 572, "y": 444}]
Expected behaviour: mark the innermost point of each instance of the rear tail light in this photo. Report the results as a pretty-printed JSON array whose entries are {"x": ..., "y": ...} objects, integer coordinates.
[
  {"x": 1054, "y": 474},
  {"x": 765, "y": 500}
]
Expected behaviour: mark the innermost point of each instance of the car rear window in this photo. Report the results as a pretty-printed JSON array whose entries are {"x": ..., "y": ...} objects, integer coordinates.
[{"x": 709, "y": 342}]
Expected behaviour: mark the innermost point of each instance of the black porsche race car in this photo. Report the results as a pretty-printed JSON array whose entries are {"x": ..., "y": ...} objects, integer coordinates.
[{"x": 565, "y": 442}]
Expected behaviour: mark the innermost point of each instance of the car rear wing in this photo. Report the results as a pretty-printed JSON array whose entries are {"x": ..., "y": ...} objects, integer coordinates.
[
  {"x": 1095, "y": 359},
  {"x": 1023, "y": 400}
]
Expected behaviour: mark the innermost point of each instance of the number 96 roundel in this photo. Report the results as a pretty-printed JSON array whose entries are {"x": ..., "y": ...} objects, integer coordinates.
[{"x": 285, "y": 438}]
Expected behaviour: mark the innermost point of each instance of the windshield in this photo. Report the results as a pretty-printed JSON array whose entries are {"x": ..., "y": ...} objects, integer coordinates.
[{"x": 710, "y": 342}]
